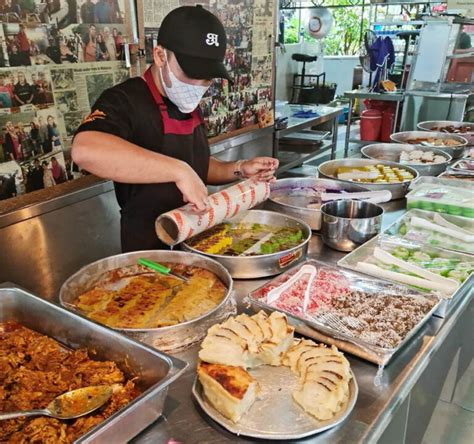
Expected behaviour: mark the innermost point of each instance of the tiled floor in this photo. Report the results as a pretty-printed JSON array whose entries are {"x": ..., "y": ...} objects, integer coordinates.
[{"x": 453, "y": 419}]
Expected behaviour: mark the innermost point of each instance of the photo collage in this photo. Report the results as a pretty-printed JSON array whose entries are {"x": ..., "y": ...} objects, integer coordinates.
[
  {"x": 249, "y": 59},
  {"x": 49, "y": 79}
]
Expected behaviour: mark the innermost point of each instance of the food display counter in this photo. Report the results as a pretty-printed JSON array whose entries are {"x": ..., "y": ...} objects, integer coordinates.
[{"x": 388, "y": 405}]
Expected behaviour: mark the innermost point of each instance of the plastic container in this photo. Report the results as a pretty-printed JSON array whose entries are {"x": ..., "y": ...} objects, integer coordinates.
[
  {"x": 388, "y": 117},
  {"x": 443, "y": 199},
  {"x": 370, "y": 124}
]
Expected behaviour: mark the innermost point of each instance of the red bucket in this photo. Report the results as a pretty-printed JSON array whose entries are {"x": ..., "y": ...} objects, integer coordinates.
[{"x": 370, "y": 124}]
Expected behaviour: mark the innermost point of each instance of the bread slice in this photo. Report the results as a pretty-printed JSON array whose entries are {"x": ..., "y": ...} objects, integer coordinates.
[
  {"x": 223, "y": 346},
  {"x": 229, "y": 389},
  {"x": 262, "y": 320},
  {"x": 317, "y": 399}
]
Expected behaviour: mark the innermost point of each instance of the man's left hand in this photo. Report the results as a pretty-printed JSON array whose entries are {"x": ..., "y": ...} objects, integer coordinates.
[{"x": 259, "y": 168}]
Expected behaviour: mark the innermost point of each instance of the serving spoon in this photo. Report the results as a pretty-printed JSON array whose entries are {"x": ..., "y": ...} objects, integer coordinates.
[{"x": 69, "y": 405}]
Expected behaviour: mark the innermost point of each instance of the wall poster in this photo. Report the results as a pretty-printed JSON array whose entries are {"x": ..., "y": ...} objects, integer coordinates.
[
  {"x": 56, "y": 57},
  {"x": 249, "y": 25}
]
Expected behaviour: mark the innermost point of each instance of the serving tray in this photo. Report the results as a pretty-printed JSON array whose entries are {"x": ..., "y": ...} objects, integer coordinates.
[{"x": 275, "y": 415}]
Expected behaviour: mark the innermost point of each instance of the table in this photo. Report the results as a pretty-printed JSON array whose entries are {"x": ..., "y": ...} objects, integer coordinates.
[
  {"x": 360, "y": 94},
  {"x": 381, "y": 411},
  {"x": 297, "y": 126}
]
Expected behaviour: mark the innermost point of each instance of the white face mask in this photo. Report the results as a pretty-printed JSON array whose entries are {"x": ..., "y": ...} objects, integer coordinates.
[{"x": 185, "y": 96}]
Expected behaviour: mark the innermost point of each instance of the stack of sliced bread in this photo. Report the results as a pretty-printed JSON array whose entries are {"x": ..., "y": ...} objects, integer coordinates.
[{"x": 245, "y": 342}]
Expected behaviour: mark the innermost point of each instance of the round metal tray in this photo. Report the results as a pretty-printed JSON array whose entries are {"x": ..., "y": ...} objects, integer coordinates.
[
  {"x": 251, "y": 267},
  {"x": 426, "y": 126},
  {"x": 392, "y": 151},
  {"x": 398, "y": 190},
  {"x": 455, "y": 152},
  {"x": 275, "y": 415},
  {"x": 311, "y": 216},
  {"x": 171, "y": 338}
]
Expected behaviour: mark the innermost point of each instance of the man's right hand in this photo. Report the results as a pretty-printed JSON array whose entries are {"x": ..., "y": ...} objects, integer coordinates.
[{"x": 193, "y": 189}]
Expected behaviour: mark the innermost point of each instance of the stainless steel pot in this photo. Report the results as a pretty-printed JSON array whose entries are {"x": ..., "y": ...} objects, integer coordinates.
[
  {"x": 170, "y": 338},
  {"x": 392, "y": 152},
  {"x": 454, "y": 151},
  {"x": 312, "y": 216},
  {"x": 430, "y": 124},
  {"x": 328, "y": 170},
  {"x": 250, "y": 267},
  {"x": 346, "y": 224}
]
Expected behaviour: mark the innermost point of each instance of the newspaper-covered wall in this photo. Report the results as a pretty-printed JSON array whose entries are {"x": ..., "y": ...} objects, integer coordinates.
[
  {"x": 56, "y": 57},
  {"x": 249, "y": 25}
]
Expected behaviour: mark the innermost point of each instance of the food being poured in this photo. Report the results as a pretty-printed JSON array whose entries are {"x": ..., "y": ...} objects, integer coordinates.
[
  {"x": 246, "y": 239},
  {"x": 35, "y": 369},
  {"x": 134, "y": 297},
  {"x": 418, "y": 157},
  {"x": 374, "y": 174}
]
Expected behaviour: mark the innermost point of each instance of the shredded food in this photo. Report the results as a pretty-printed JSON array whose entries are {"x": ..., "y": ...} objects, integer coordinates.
[{"x": 34, "y": 369}]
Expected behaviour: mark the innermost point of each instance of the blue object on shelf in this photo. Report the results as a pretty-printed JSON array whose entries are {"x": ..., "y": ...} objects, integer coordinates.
[{"x": 305, "y": 114}]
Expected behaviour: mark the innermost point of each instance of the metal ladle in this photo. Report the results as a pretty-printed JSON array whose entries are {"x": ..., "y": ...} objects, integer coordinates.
[{"x": 69, "y": 405}]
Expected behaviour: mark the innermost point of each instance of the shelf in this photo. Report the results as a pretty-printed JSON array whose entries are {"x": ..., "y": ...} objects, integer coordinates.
[
  {"x": 399, "y": 23},
  {"x": 291, "y": 159}
]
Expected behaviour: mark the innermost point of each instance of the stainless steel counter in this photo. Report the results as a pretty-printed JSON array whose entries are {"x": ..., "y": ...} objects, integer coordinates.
[{"x": 384, "y": 396}]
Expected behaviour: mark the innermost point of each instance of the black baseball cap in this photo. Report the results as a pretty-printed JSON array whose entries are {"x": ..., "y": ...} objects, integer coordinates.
[{"x": 198, "y": 40}]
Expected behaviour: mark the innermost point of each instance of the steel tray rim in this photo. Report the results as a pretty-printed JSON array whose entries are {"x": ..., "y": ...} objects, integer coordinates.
[
  {"x": 266, "y": 256},
  {"x": 212, "y": 413},
  {"x": 141, "y": 253},
  {"x": 176, "y": 367},
  {"x": 389, "y": 352}
]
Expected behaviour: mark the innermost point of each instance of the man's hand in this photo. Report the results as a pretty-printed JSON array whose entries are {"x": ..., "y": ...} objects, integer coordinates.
[
  {"x": 260, "y": 168},
  {"x": 193, "y": 189}
]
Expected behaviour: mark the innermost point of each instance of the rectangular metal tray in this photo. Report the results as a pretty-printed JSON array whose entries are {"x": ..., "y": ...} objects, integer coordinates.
[
  {"x": 361, "y": 253},
  {"x": 313, "y": 329},
  {"x": 393, "y": 229},
  {"x": 154, "y": 370}
]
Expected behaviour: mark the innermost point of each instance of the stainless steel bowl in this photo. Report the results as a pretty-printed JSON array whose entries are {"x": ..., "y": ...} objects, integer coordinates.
[
  {"x": 250, "y": 267},
  {"x": 392, "y": 152},
  {"x": 170, "y": 338},
  {"x": 346, "y": 224},
  {"x": 455, "y": 152},
  {"x": 430, "y": 124},
  {"x": 399, "y": 190},
  {"x": 312, "y": 216}
]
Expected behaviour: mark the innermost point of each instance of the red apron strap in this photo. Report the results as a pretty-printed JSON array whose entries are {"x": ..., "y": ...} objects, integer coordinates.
[{"x": 172, "y": 126}]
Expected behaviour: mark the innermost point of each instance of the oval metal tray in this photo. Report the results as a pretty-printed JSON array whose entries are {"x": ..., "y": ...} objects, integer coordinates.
[
  {"x": 275, "y": 415},
  {"x": 171, "y": 338},
  {"x": 250, "y": 267},
  {"x": 311, "y": 216},
  {"x": 398, "y": 190},
  {"x": 454, "y": 151}
]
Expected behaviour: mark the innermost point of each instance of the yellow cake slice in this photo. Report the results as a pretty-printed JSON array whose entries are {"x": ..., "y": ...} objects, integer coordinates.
[{"x": 230, "y": 390}]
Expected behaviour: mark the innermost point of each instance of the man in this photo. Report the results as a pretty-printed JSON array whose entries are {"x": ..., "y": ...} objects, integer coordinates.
[
  {"x": 23, "y": 92},
  {"x": 148, "y": 136},
  {"x": 88, "y": 12},
  {"x": 36, "y": 176},
  {"x": 24, "y": 45},
  {"x": 90, "y": 43},
  {"x": 43, "y": 134}
]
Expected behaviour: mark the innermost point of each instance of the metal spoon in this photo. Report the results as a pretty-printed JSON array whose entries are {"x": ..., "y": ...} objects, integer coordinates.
[{"x": 69, "y": 405}]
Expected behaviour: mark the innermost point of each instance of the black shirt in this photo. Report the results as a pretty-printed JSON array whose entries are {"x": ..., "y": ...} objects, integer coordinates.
[
  {"x": 23, "y": 92},
  {"x": 130, "y": 112}
]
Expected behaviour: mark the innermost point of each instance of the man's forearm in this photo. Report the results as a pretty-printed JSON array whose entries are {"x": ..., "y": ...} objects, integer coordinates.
[
  {"x": 221, "y": 172},
  {"x": 114, "y": 158}
]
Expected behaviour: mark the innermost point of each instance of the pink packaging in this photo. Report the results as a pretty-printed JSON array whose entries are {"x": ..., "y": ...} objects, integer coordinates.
[{"x": 182, "y": 223}]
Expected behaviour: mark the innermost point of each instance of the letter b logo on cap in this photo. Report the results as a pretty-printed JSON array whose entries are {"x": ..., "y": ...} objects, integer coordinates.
[{"x": 212, "y": 39}]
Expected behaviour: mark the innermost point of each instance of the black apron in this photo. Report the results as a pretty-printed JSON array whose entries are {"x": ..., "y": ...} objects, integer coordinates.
[{"x": 185, "y": 140}]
